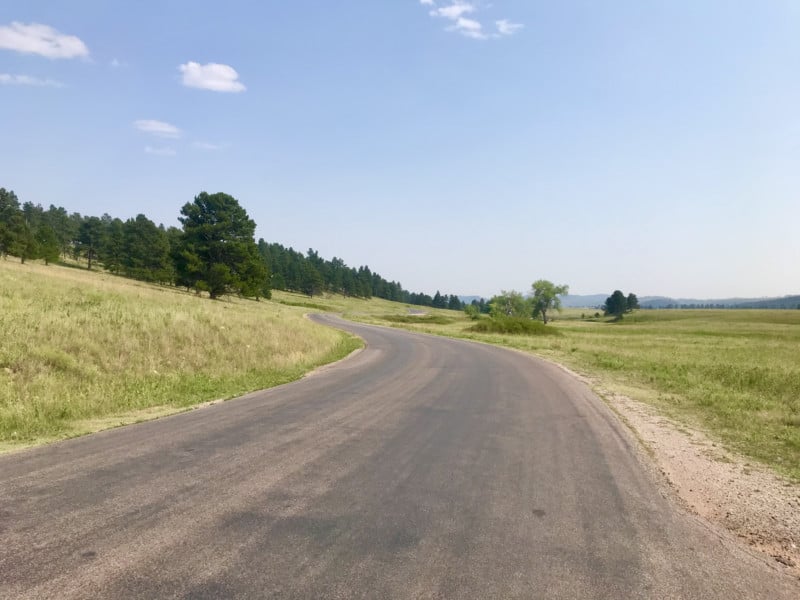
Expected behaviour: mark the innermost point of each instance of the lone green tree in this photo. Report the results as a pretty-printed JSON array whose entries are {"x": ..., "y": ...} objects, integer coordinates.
[
  {"x": 616, "y": 304},
  {"x": 217, "y": 248},
  {"x": 546, "y": 297}
]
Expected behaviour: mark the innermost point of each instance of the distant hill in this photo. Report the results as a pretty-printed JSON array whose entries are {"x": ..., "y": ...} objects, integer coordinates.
[
  {"x": 588, "y": 301},
  {"x": 666, "y": 302},
  {"x": 784, "y": 302},
  {"x": 597, "y": 300}
]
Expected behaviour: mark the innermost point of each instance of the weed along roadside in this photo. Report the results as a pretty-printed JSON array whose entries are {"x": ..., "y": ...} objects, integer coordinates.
[{"x": 84, "y": 351}]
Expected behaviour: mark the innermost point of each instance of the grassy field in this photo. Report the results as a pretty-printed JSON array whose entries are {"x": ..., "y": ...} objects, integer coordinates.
[
  {"x": 734, "y": 373},
  {"x": 81, "y": 351}
]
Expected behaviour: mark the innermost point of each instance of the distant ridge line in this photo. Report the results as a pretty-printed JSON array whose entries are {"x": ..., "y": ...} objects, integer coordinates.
[{"x": 597, "y": 300}]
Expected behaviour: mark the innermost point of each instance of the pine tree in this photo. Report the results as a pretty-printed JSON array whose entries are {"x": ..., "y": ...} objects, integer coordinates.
[{"x": 217, "y": 247}]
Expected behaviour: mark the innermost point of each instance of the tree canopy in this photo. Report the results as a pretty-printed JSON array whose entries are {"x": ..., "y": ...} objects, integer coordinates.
[
  {"x": 546, "y": 297},
  {"x": 219, "y": 254},
  {"x": 509, "y": 304},
  {"x": 617, "y": 304}
]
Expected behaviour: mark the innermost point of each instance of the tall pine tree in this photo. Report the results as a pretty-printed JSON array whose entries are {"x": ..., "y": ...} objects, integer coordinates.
[{"x": 217, "y": 248}]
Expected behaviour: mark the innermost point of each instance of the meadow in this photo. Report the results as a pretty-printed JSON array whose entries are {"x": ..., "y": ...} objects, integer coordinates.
[
  {"x": 82, "y": 351},
  {"x": 733, "y": 373}
]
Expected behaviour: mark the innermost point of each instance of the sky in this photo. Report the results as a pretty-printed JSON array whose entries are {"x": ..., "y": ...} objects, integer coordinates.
[{"x": 464, "y": 146}]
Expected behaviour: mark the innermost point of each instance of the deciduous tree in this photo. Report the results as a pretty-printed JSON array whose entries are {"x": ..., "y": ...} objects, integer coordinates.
[
  {"x": 546, "y": 297},
  {"x": 509, "y": 304}
]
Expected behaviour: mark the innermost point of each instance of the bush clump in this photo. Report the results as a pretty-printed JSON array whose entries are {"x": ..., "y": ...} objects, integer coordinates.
[{"x": 513, "y": 325}]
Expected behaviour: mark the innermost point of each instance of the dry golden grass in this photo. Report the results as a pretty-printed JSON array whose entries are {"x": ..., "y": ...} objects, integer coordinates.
[{"x": 79, "y": 347}]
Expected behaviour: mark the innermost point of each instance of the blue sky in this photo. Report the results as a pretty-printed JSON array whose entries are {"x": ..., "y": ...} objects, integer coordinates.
[{"x": 651, "y": 146}]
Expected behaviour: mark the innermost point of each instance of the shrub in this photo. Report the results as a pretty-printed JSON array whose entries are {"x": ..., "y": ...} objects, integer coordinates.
[{"x": 513, "y": 325}]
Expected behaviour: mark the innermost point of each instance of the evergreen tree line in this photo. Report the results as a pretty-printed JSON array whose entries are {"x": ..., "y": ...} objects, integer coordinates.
[
  {"x": 214, "y": 252},
  {"x": 312, "y": 275},
  {"x": 135, "y": 248}
]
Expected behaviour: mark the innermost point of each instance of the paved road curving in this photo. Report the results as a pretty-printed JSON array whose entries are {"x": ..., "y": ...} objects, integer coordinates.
[{"x": 420, "y": 468}]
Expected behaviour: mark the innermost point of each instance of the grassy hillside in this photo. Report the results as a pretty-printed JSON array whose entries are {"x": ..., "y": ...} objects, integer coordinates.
[{"x": 80, "y": 350}]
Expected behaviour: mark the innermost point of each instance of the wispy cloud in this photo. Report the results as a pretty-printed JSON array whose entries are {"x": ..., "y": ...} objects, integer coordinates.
[
  {"x": 42, "y": 40},
  {"x": 212, "y": 76},
  {"x": 157, "y": 128},
  {"x": 469, "y": 28},
  {"x": 506, "y": 27},
  {"x": 6, "y": 79},
  {"x": 453, "y": 11},
  {"x": 463, "y": 19},
  {"x": 160, "y": 151}
]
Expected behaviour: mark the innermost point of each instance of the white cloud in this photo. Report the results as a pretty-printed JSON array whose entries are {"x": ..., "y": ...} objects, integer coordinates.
[
  {"x": 157, "y": 128},
  {"x": 212, "y": 76},
  {"x": 506, "y": 27},
  {"x": 42, "y": 40},
  {"x": 6, "y": 79},
  {"x": 454, "y": 11},
  {"x": 469, "y": 26},
  {"x": 160, "y": 151}
]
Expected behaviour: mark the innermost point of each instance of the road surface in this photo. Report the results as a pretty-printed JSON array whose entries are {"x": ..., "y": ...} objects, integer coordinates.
[{"x": 421, "y": 467}]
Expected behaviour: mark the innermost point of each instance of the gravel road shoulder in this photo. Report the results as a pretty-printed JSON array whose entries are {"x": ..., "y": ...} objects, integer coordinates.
[{"x": 752, "y": 502}]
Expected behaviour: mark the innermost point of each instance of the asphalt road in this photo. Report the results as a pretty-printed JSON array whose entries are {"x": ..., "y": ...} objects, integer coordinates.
[{"x": 421, "y": 467}]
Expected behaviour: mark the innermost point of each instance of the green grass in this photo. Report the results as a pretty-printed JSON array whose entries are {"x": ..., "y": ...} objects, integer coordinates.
[
  {"x": 514, "y": 326},
  {"x": 310, "y": 305},
  {"x": 80, "y": 349},
  {"x": 734, "y": 373},
  {"x": 423, "y": 319}
]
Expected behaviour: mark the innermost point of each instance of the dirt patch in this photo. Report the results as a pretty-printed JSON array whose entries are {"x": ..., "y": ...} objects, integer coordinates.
[
  {"x": 754, "y": 503},
  {"x": 757, "y": 505}
]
